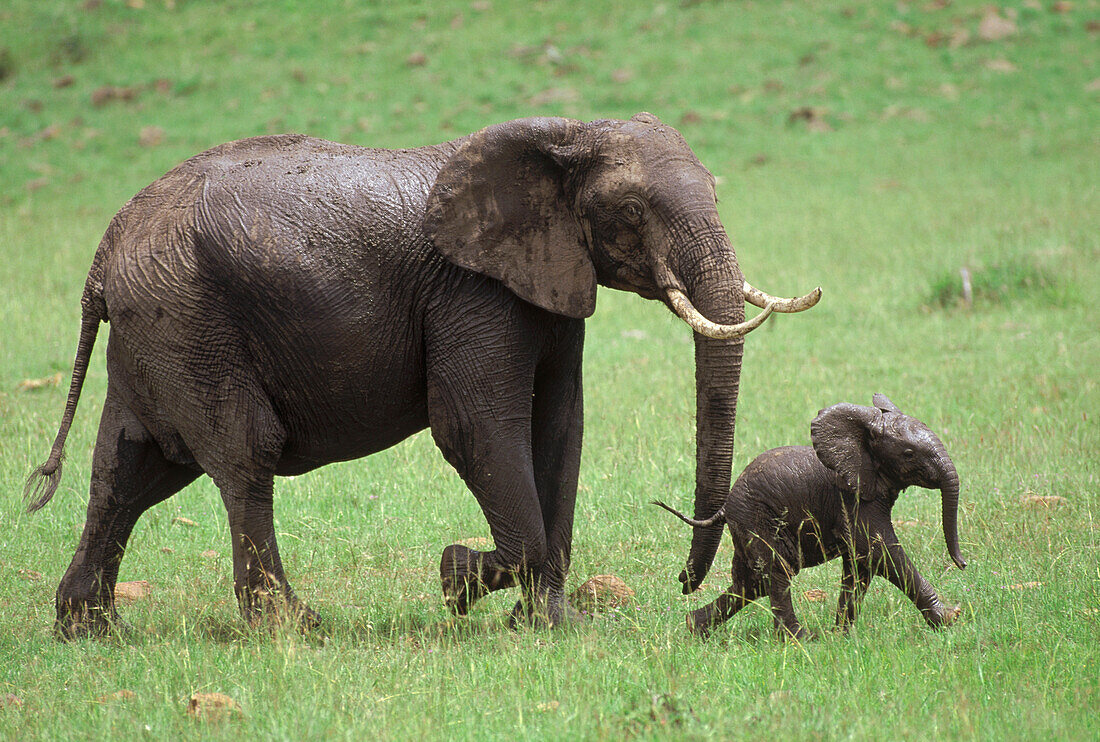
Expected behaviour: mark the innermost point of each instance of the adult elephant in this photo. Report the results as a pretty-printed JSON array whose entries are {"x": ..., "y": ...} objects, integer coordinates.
[{"x": 280, "y": 303}]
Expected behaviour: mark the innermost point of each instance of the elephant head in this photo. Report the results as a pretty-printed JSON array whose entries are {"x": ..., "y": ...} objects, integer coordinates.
[
  {"x": 878, "y": 451},
  {"x": 552, "y": 207}
]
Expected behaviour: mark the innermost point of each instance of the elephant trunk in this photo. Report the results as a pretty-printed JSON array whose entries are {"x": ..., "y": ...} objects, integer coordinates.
[
  {"x": 713, "y": 282},
  {"x": 949, "y": 490}
]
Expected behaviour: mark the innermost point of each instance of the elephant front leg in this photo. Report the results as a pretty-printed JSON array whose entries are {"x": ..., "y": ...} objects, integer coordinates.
[
  {"x": 557, "y": 421},
  {"x": 505, "y": 408},
  {"x": 469, "y": 575},
  {"x": 482, "y": 425},
  {"x": 891, "y": 561},
  {"x": 503, "y": 483}
]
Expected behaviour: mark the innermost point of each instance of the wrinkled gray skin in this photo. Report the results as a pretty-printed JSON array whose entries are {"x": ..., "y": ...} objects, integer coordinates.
[
  {"x": 280, "y": 303},
  {"x": 800, "y": 506}
]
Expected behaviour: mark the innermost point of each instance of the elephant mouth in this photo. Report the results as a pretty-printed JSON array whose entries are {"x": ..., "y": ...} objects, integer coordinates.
[{"x": 686, "y": 311}]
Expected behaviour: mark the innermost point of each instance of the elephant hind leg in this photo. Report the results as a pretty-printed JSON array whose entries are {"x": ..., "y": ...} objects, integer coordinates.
[
  {"x": 240, "y": 443},
  {"x": 787, "y": 625},
  {"x": 130, "y": 474},
  {"x": 701, "y": 622},
  {"x": 856, "y": 579}
]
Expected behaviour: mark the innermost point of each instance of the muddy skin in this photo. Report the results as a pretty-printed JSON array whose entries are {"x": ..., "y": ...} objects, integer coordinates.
[
  {"x": 800, "y": 506},
  {"x": 280, "y": 303}
]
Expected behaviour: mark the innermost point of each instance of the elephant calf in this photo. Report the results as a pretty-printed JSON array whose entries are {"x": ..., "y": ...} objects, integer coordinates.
[{"x": 800, "y": 506}]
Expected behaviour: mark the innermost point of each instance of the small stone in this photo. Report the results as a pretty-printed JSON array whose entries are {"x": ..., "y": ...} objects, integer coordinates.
[
  {"x": 999, "y": 65},
  {"x": 212, "y": 706},
  {"x": 1043, "y": 501},
  {"x": 151, "y": 136},
  {"x": 131, "y": 591},
  {"x": 995, "y": 27},
  {"x": 600, "y": 594},
  {"x": 118, "y": 695}
]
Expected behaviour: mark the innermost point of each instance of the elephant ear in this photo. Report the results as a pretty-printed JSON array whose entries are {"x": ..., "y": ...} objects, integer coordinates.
[
  {"x": 500, "y": 207},
  {"x": 842, "y": 435},
  {"x": 882, "y": 402}
]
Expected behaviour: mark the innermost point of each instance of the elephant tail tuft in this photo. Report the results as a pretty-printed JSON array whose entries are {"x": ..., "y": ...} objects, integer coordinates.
[{"x": 43, "y": 481}]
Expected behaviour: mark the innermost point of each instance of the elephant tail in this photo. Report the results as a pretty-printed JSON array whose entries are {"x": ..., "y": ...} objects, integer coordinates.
[
  {"x": 720, "y": 515},
  {"x": 42, "y": 483}
]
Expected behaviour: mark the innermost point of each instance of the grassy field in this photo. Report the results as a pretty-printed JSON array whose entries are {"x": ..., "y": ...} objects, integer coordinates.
[{"x": 875, "y": 149}]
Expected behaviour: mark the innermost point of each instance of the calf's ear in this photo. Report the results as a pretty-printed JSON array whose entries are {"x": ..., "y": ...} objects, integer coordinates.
[
  {"x": 882, "y": 402},
  {"x": 842, "y": 437}
]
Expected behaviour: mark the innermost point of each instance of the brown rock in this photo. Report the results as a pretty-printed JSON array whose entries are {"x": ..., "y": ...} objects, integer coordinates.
[
  {"x": 131, "y": 591},
  {"x": 151, "y": 136},
  {"x": 995, "y": 27},
  {"x": 212, "y": 706},
  {"x": 999, "y": 65},
  {"x": 118, "y": 695},
  {"x": 1043, "y": 501},
  {"x": 600, "y": 594}
]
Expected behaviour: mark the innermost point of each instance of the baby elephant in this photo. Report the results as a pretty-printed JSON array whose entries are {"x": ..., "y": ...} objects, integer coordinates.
[{"x": 800, "y": 506}]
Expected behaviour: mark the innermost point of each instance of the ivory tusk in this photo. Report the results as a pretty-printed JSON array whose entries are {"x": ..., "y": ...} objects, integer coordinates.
[
  {"x": 689, "y": 314},
  {"x": 758, "y": 298}
]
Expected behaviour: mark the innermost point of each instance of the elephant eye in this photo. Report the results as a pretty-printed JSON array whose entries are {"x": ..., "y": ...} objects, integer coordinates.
[{"x": 632, "y": 211}]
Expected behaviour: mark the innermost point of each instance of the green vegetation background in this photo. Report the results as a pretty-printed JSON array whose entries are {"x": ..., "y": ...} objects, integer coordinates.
[{"x": 875, "y": 149}]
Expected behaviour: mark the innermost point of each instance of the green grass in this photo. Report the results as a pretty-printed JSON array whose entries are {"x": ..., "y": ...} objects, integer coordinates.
[{"x": 934, "y": 158}]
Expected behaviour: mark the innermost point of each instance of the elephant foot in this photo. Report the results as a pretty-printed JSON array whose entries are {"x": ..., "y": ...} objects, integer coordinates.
[
  {"x": 76, "y": 622},
  {"x": 945, "y": 617},
  {"x": 795, "y": 633},
  {"x": 459, "y": 573},
  {"x": 545, "y": 614},
  {"x": 700, "y": 623},
  {"x": 266, "y": 607},
  {"x": 462, "y": 587}
]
